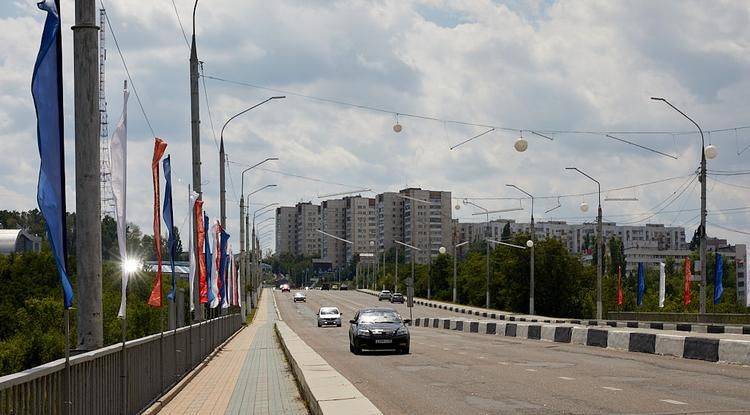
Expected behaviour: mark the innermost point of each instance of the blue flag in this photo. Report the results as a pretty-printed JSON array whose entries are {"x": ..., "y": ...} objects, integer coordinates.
[
  {"x": 641, "y": 283},
  {"x": 719, "y": 283},
  {"x": 224, "y": 258},
  {"x": 46, "y": 89},
  {"x": 209, "y": 260},
  {"x": 168, "y": 215}
]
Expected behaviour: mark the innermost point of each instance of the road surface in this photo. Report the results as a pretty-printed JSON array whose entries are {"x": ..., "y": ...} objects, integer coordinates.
[{"x": 450, "y": 372}]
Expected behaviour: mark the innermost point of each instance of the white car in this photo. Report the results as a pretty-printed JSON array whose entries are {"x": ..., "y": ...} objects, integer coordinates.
[
  {"x": 329, "y": 316},
  {"x": 300, "y": 297}
]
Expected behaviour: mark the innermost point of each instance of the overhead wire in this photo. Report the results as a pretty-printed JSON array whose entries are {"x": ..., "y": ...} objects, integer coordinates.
[
  {"x": 179, "y": 21},
  {"x": 666, "y": 202}
]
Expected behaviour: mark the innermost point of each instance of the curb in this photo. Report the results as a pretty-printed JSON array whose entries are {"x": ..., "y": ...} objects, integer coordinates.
[
  {"x": 687, "y": 347},
  {"x": 324, "y": 389},
  {"x": 502, "y": 315}
]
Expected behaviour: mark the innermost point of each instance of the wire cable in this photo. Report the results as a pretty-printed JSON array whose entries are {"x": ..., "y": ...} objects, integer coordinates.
[
  {"x": 180, "y": 23},
  {"x": 208, "y": 108}
]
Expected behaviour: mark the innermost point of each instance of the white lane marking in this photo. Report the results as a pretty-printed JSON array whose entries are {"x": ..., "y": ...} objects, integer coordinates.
[
  {"x": 503, "y": 363},
  {"x": 673, "y": 402},
  {"x": 446, "y": 349},
  {"x": 609, "y": 388},
  {"x": 565, "y": 378},
  {"x": 481, "y": 357},
  {"x": 531, "y": 370}
]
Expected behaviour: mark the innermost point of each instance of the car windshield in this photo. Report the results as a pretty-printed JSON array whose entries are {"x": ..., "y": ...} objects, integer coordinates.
[
  {"x": 385, "y": 292},
  {"x": 379, "y": 317},
  {"x": 328, "y": 311}
]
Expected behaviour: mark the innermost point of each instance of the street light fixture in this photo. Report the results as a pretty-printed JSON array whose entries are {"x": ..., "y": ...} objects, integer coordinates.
[
  {"x": 487, "y": 253},
  {"x": 410, "y": 281},
  {"x": 599, "y": 265},
  {"x": 530, "y": 244},
  {"x": 222, "y": 161},
  {"x": 455, "y": 268},
  {"x": 709, "y": 152}
]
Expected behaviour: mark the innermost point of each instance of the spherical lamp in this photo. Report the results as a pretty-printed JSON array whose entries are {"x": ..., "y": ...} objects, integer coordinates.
[
  {"x": 442, "y": 250},
  {"x": 711, "y": 151},
  {"x": 529, "y": 243},
  {"x": 457, "y": 207},
  {"x": 521, "y": 145},
  {"x": 397, "y": 127},
  {"x": 584, "y": 207}
]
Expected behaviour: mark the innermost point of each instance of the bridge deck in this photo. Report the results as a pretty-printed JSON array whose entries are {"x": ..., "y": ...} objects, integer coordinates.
[{"x": 249, "y": 376}]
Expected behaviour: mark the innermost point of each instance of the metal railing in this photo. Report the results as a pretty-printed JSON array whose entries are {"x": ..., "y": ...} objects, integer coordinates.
[{"x": 153, "y": 364}]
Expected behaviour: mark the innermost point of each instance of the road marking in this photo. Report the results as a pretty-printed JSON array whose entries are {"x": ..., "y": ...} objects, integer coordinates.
[
  {"x": 673, "y": 402},
  {"x": 481, "y": 357},
  {"x": 503, "y": 363},
  {"x": 531, "y": 370},
  {"x": 565, "y": 378},
  {"x": 609, "y": 388},
  {"x": 445, "y": 349}
]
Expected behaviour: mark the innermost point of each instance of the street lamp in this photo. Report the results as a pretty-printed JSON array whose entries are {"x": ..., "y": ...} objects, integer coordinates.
[
  {"x": 222, "y": 160},
  {"x": 599, "y": 265},
  {"x": 709, "y": 152},
  {"x": 410, "y": 281},
  {"x": 256, "y": 244},
  {"x": 487, "y": 254},
  {"x": 455, "y": 268},
  {"x": 243, "y": 228},
  {"x": 531, "y": 246}
]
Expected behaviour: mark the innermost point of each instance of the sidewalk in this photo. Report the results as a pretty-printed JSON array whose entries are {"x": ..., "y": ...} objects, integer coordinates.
[{"x": 250, "y": 376}]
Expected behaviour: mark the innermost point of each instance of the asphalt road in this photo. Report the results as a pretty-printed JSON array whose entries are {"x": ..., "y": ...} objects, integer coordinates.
[{"x": 448, "y": 372}]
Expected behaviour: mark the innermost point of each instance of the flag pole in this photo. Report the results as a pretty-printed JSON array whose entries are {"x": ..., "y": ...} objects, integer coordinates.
[
  {"x": 124, "y": 366},
  {"x": 68, "y": 404}
]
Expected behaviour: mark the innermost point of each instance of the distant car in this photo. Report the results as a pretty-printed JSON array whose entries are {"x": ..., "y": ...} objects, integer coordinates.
[
  {"x": 343, "y": 287},
  {"x": 334, "y": 287},
  {"x": 325, "y": 286},
  {"x": 307, "y": 288},
  {"x": 329, "y": 316},
  {"x": 378, "y": 328},
  {"x": 285, "y": 288},
  {"x": 384, "y": 295},
  {"x": 397, "y": 298},
  {"x": 300, "y": 297}
]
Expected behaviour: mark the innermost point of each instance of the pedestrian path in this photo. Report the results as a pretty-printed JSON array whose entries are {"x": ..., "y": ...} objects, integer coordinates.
[{"x": 249, "y": 376}]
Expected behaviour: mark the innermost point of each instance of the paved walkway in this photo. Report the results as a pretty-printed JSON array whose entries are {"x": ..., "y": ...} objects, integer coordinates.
[{"x": 249, "y": 376}]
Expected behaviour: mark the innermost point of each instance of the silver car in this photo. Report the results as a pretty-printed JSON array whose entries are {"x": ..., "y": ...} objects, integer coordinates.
[{"x": 329, "y": 316}]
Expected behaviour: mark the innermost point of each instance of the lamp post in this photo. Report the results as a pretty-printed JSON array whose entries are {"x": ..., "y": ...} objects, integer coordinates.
[
  {"x": 256, "y": 248},
  {"x": 599, "y": 265},
  {"x": 222, "y": 161},
  {"x": 487, "y": 253},
  {"x": 533, "y": 239},
  {"x": 243, "y": 229},
  {"x": 455, "y": 268},
  {"x": 410, "y": 281},
  {"x": 706, "y": 152}
]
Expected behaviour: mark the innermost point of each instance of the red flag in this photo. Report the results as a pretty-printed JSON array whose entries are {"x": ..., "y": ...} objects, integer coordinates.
[
  {"x": 156, "y": 292},
  {"x": 201, "y": 247},
  {"x": 619, "y": 285},
  {"x": 688, "y": 277}
]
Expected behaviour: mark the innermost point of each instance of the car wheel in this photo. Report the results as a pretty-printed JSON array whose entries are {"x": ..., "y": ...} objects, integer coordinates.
[
  {"x": 353, "y": 349},
  {"x": 338, "y": 325},
  {"x": 319, "y": 324},
  {"x": 404, "y": 350}
]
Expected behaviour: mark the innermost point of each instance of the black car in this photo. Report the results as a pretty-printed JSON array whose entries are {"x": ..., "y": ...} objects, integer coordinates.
[
  {"x": 378, "y": 328},
  {"x": 343, "y": 287},
  {"x": 397, "y": 298}
]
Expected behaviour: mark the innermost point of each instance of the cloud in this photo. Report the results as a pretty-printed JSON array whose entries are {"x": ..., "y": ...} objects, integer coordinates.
[{"x": 525, "y": 65}]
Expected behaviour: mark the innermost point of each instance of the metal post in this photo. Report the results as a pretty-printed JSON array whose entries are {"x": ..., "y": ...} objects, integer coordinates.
[
  {"x": 67, "y": 385},
  {"x": 123, "y": 367},
  {"x": 487, "y": 236},
  {"x": 243, "y": 306},
  {"x": 395, "y": 283},
  {"x": 533, "y": 240},
  {"x": 88, "y": 190},
  {"x": 195, "y": 131},
  {"x": 455, "y": 272},
  {"x": 222, "y": 187},
  {"x": 599, "y": 265}
]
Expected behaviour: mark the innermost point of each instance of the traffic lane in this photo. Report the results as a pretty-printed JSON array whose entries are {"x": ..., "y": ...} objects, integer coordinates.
[{"x": 449, "y": 372}]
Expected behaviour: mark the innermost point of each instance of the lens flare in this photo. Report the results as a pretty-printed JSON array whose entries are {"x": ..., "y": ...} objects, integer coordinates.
[{"x": 131, "y": 265}]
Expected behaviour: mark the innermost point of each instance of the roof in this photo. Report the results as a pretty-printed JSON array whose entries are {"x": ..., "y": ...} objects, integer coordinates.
[
  {"x": 9, "y": 239},
  {"x": 377, "y": 309}
]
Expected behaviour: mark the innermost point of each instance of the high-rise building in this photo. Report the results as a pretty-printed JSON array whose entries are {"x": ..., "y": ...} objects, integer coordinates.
[
  {"x": 333, "y": 221},
  {"x": 427, "y": 222},
  {"x": 307, "y": 223},
  {"x": 286, "y": 229},
  {"x": 361, "y": 226},
  {"x": 390, "y": 218}
]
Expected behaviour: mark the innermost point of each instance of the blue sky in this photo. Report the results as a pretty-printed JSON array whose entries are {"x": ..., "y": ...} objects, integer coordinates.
[{"x": 565, "y": 65}]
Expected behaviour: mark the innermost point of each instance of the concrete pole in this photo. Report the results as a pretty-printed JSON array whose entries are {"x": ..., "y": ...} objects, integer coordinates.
[
  {"x": 703, "y": 227},
  {"x": 487, "y": 242},
  {"x": 222, "y": 187},
  {"x": 195, "y": 125},
  {"x": 395, "y": 282},
  {"x": 599, "y": 264},
  {"x": 531, "y": 272},
  {"x": 455, "y": 273},
  {"x": 243, "y": 277},
  {"x": 88, "y": 193}
]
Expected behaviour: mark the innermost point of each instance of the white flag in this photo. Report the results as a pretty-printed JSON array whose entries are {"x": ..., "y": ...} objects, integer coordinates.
[
  {"x": 662, "y": 288},
  {"x": 118, "y": 151},
  {"x": 191, "y": 218},
  {"x": 214, "y": 243}
]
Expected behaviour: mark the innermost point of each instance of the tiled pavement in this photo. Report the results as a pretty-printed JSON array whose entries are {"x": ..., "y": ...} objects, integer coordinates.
[{"x": 249, "y": 376}]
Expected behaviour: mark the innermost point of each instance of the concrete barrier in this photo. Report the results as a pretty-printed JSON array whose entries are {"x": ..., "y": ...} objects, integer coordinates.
[
  {"x": 326, "y": 391},
  {"x": 669, "y": 345}
]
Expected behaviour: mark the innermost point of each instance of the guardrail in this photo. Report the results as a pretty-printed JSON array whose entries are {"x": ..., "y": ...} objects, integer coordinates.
[{"x": 153, "y": 364}]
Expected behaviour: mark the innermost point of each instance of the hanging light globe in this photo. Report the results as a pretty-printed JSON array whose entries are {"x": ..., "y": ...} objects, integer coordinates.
[
  {"x": 529, "y": 243},
  {"x": 711, "y": 151},
  {"x": 457, "y": 207},
  {"x": 442, "y": 250},
  {"x": 521, "y": 145},
  {"x": 584, "y": 207},
  {"x": 397, "y": 127}
]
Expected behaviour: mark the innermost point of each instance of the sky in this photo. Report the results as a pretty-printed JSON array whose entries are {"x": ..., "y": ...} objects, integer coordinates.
[{"x": 545, "y": 66}]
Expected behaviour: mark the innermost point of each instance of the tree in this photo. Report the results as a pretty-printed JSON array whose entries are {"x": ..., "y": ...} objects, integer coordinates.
[{"x": 505, "y": 235}]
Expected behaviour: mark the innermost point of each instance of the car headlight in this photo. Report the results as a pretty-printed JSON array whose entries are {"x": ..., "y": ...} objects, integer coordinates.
[
  {"x": 363, "y": 332},
  {"x": 401, "y": 331}
]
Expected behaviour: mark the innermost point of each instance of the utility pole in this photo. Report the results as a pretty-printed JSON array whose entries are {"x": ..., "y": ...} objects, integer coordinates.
[
  {"x": 195, "y": 125},
  {"x": 223, "y": 189},
  {"x": 88, "y": 164}
]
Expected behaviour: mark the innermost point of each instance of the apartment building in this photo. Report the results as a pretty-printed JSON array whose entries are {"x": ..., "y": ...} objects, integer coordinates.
[
  {"x": 361, "y": 226},
  {"x": 390, "y": 217},
  {"x": 286, "y": 229},
  {"x": 307, "y": 223},
  {"x": 427, "y": 222},
  {"x": 333, "y": 221}
]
